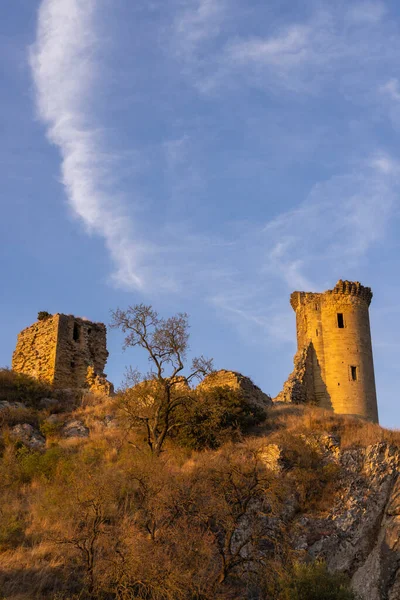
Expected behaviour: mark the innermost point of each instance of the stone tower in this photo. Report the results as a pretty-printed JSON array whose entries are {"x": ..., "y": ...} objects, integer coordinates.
[
  {"x": 65, "y": 351},
  {"x": 333, "y": 365}
]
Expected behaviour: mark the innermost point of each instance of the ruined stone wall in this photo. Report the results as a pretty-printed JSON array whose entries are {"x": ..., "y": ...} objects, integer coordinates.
[
  {"x": 81, "y": 352},
  {"x": 35, "y": 353},
  {"x": 341, "y": 354},
  {"x": 66, "y": 351},
  {"x": 239, "y": 383}
]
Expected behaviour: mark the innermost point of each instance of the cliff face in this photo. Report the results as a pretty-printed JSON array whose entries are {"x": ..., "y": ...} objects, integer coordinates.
[{"x": 360, "y": 533}]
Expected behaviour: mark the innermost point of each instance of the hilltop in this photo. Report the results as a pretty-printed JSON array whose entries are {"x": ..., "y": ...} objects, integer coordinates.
[{"x": 88, "y": 511}]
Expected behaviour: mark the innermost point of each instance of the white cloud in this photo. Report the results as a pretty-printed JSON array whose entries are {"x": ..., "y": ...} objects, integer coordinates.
[
  {"x": 347, "y": 44},
  {"x": 308, "y": 248},
  {"x": 385, "y": 164},
  {"x": 65, "y": 75},
  {"x": 392, "y": 89},
  {"x": 288, "y": 49},
  {"x": 338, "y": 223},
  {"x": 198, "y": 21},
  {"x": 329, "y": 232},
  {"x": 367, "y": 12}
]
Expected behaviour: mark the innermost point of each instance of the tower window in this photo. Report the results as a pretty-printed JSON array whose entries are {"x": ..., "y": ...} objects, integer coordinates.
[
  {"x": 340, "y": 321},
  {"x": 316, "y": 332},
  {"x": 353, "y": 373},
  {"x": 76, "y": 332}
]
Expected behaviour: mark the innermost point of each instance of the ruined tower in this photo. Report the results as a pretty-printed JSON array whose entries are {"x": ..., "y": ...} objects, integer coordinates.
[
  {"x": 334, "y": 365},
  {"x": 65, "y": 351}
]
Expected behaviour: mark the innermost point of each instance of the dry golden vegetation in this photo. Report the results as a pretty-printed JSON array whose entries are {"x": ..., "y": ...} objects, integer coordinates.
[
  {"x": 170, "y": 493},
  {"x": 103, "y": 517}
]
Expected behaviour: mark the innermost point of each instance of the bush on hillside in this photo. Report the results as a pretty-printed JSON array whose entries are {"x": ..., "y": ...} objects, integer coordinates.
[
  {"x": 216, "y": 416},
  {"x": 315, "y": 582},
  {"x": 18, "y": 387}
]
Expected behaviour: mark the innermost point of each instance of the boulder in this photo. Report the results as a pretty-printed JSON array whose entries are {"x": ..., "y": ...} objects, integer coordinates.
[
  {"x": 48, "y": 403},
  {"x": 237, "y": 382},
  {"x": 4, "y": 405},
  {"x": 74, "y": 428},
  {"x": 28, "y": 436}
]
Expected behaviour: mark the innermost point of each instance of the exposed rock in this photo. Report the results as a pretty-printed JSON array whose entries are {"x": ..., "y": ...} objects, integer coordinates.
[
  {"x": 110, "y": 421},
  {"x": 297, "y": 387},
  {"x": 53, "y": 419},
  {"x": 28, "y": 436},
  {"x": 48, "y": 403},
  {"x": 98, "y": 383},
  {"x": 4, "y": 404},
  {"x": 271, "y": 456},
  {"x": 360, "y": 533},
  {"x": 74, "y": 428},
  {"x": 239, "y": 383}
]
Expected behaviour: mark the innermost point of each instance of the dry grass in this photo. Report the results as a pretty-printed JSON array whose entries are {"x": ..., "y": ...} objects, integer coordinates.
[{"x": 352, "y": 431}]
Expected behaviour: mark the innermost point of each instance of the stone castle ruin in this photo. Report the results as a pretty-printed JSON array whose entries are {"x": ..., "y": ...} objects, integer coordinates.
[
  {"x": 65, "y": 351},
  {"x": 333, "y": 366}
]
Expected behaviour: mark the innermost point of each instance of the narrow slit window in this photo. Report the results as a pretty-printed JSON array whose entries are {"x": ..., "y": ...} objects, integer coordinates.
[
  {"x": 316, "y": 332},
  {"x": 340, "y": 321},
  {"x": 353, "y": 371},
  {"x": 76, "y": 332}
]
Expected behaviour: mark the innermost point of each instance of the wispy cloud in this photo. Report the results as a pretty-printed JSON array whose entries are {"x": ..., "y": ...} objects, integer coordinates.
[
  {"x": 325, "y": 237},
  {"x": 338, "y": 223},
  {"x": 392, "y": 89},
  {"x": 197, "y": 22},
  {"x": 335, "y": 41},
  {"x": 65, "y": 72},
  {"x": 329, "y": 231}
]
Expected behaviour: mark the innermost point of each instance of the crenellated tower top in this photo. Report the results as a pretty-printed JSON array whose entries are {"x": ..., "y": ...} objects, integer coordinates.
[
  {"x": 344, "y": 288},
  {"x": 352, "y": 288}
]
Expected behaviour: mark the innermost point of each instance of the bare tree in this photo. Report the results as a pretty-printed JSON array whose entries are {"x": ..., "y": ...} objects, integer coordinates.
[{"x": 155, "y": 399}]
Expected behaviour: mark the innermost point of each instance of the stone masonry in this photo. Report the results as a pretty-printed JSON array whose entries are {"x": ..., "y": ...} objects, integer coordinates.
[
  {"x": 334, "y": 364},
  {"x": 65, "y": 351},
  {"x": 239, "y": 383}
]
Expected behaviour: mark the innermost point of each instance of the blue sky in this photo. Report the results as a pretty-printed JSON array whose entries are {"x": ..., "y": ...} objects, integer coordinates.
[{"x": 208, "y": 156}]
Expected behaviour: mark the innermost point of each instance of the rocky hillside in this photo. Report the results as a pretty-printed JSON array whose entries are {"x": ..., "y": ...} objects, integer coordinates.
[{"x": 88, "y": 512}]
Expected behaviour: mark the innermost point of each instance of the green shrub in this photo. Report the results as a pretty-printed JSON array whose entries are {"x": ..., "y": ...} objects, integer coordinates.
[
  {"x": 49, "y": 430},
  {"x": 315, "y": 582},
  {"x": 43, "y": 315},
  {"x": 12, "y": 531},
  {"x": 13, "y": 416},
  {"x": 34, "y": 464},
  {"x": 17, "y": 387},
  {"x": 216, "y": 416}
]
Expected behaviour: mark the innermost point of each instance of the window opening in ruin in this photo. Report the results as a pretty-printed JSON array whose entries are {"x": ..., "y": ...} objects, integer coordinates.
[
  {"x": 316, "y": 307},
  {"x": 340, "y": 321},
  {"x": 89, "y": 330},
  {"x": 72, "y": 365},
  {"x": 353, "y": 371},
  {"x": 316, "y": 332},
  {"x": 76, "y": 332}
]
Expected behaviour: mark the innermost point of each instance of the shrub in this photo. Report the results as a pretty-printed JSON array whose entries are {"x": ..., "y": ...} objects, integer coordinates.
[
  {"x": 12, "y": 531},
  {"x": 216, "y": 416},
  {"x": 43, "y": 315},
  {"x": 34, "y": 464},
  {"x": 315, "y": 582},
  {"x": 11, "y": 416},
  {"x": 18, "y": 387}
]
